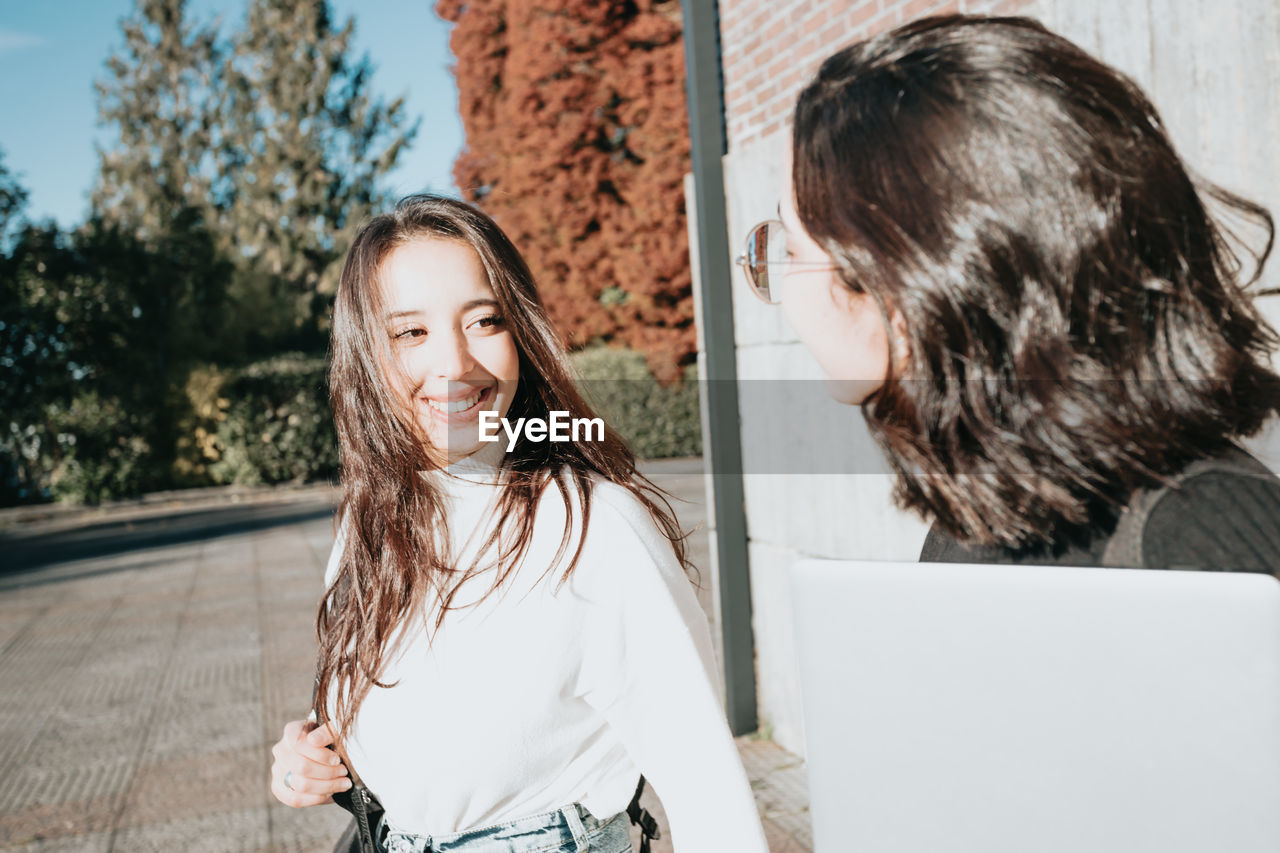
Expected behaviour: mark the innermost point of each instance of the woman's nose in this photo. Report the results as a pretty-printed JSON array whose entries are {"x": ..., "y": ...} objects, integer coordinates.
[{"x": 449, "y": 356}]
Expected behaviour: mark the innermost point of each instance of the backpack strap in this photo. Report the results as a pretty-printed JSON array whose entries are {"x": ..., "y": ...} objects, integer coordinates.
[
  {"x": 1124, "y": 548},
  {"x": 640, "y": 817},
  {"x": 365, "y": 807}
]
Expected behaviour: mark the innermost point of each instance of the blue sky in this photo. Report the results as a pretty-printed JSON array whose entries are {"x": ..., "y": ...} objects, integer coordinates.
[{"x": 51, "y": 52}]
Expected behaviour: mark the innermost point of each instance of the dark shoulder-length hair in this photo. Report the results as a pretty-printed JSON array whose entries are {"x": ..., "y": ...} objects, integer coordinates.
[
  {"x": 1077, "y": 321},
  {"x": 395, "y": 557}
]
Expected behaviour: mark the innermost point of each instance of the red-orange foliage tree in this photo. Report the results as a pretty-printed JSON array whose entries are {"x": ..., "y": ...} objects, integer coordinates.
[{"x": 577, "y": 144}]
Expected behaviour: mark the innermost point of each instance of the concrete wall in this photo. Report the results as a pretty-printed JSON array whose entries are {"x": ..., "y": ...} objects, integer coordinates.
[{"x": 1211, "y": 69}]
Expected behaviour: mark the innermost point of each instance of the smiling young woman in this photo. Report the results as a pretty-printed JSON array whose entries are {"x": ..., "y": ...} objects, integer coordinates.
[
  {"x": 508, "y": 638},
  {"x": 454, "y": 356}
]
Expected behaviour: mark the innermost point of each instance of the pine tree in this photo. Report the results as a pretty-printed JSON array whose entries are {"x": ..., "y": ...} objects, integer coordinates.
[
  {"x": 270, "y": 139},
  {"x": 577, "y": 143},
  {"x": 306, "y": 144},
  {"x": 13, "y": 199},
  {"x": 162, "y": 95}
]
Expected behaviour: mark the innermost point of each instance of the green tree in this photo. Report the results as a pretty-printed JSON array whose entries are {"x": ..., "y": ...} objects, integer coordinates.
[
  {"x": 13, "y": 200},
  {"x": 241, "y": 167},
  {"x": 24, "y": 339},
  {"x": 270, "y": 137},
  {"x": 97, "y": 331},
  {"x": 305, "y": 146},
  {"x": 162, "y": 94}
]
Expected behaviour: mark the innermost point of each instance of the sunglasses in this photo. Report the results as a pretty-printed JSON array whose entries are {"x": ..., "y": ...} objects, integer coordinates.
[{"x": 766, "y": 247}]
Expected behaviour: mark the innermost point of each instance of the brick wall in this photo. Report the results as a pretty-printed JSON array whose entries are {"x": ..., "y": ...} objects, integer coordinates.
[{"x": 771, "y": 47}]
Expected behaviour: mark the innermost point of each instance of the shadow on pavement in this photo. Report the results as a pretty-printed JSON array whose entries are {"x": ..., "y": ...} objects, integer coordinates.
[
  {"x": 74, "y": 570},
  {"x": 22, "y": 554}
]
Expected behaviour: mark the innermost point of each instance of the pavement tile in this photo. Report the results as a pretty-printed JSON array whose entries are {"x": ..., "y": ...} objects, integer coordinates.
[
  {"x": 182, "y": 731},
  {"x": 780, "y": 840},
  {"x": 73, "y": 736},
  {"x": 205, "y": 674},
  {"x": 221, "y": 832},
  {"x": 781, "y": 787},
  {"x": 45, "y": 803},
  {"x": 312, "y": 830},
  {"x": 195, "y": 786},
  {"x": 95, "y": 842}
]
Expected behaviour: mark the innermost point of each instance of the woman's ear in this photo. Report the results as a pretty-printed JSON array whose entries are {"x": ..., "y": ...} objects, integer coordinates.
[{"x": 899, "y": 343}]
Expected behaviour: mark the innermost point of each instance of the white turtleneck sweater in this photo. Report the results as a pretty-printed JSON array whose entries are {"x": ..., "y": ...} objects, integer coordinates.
[{"x": 542, "y": 695}]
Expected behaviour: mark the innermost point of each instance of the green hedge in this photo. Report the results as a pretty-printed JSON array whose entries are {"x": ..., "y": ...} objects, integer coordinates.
[
  {"x": 276, "y": 426},
  {"x": 102, "y": 452},
  {"x": 274, "y": 423},
  {"x": 269, "y": 422},
  {"x": 657, "y": 421}
]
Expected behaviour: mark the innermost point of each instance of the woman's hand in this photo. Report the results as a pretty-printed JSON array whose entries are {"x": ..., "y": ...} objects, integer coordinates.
[{"x": 303, "y": 760}]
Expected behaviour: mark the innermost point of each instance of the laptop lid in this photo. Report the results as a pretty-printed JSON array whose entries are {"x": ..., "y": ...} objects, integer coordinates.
[{"x": 1012, "y": 708}]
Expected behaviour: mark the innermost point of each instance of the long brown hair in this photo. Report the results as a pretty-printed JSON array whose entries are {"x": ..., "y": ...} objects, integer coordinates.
[
  {"x": 1078, "y": 323},
  {"x": 395, "y": 558}
]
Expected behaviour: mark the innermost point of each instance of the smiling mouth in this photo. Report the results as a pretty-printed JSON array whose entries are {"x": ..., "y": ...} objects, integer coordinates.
[{"x": 458, "y": 407}]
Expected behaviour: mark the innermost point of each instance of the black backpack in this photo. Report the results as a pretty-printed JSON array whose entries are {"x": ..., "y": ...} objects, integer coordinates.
[{"x": 1124, "y": 548}]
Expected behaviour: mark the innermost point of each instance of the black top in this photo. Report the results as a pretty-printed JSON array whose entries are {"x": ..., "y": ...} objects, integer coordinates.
[{"x": 1214, "y": 520}]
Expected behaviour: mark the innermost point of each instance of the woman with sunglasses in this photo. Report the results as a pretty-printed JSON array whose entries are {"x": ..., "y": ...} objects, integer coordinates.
[
  {"x": 989, "y": 244},
  {"x": 509, "y": 637}
]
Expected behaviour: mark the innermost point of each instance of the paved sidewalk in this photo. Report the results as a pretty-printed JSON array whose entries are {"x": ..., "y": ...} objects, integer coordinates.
[{"x": 150, "y": 655}]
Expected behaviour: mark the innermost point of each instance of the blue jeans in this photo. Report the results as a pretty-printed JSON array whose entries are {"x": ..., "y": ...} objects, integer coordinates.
[{"x": 569, "y": 830}]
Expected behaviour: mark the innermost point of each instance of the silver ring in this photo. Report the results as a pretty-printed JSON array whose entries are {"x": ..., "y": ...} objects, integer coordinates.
[{"x": 286, "y": 781}]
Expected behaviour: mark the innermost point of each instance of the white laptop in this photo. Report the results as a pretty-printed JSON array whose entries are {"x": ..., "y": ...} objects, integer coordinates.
[{"x": 1031, "y": 709}]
